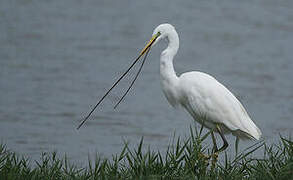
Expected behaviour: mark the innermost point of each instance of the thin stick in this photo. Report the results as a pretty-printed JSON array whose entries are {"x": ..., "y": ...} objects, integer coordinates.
[
  {"x": 99, "y": 102},
  {"x": 140, "y": 68}
]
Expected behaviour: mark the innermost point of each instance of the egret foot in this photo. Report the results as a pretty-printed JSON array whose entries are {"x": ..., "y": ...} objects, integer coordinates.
[
  {"x": 215, "y": 156},
  {"x": 205, "y": 157}
]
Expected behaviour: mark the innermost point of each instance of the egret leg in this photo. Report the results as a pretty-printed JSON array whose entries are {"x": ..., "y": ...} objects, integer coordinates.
[
  {"x": 225, "y": 145},
  {"x": 215, "y": 151},
  {"x": 236, "y": 145},
  {"x": 205, "y": 157},
  {"x": 214, "y": 142}
]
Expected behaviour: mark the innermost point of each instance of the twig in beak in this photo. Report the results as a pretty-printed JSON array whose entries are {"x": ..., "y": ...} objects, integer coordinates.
[
  {"x": 121, "y": 77},
  {"x": 138, "y": 72}
]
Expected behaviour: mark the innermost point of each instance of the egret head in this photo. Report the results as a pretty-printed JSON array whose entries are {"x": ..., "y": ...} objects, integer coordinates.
[
  {"x": 164, "y": 30},
  {"x": 161, "y": 32}
]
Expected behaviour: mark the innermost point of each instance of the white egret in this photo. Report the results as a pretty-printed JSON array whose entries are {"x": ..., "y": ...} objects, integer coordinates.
[{"x": 208, "y": 101}]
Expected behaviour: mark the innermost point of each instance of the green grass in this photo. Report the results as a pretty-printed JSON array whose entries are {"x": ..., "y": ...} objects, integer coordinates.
[{"x": 183, "y": 160}]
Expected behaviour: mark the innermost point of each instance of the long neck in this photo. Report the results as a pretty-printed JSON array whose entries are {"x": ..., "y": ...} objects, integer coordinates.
[{"x": 168, "y": 75}]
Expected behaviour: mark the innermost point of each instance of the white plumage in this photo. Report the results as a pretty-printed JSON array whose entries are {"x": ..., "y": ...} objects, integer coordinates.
[{"x": 207, "y": 101}]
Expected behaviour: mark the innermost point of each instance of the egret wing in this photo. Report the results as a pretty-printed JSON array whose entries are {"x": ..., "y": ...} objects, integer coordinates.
[{"x": 204, "y": 96}]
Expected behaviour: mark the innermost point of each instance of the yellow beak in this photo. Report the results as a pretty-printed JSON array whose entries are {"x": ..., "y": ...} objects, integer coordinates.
[{"x": 151, "y": 41}]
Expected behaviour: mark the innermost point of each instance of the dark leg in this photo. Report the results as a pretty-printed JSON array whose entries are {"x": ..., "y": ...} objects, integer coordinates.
[
  {"x": 215, "y": 150},
  {"x": 225, "y": 145},
  {"x": 236, "y": 145},
  {"x": 214, "y": 142}
]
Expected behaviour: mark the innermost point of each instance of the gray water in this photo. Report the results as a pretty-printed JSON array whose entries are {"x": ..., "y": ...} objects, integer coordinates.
[{"x": 57, "y": 58}]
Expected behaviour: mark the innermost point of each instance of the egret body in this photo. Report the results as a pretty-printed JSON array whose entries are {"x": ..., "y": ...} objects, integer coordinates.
[{"x": 208, "y": 101}]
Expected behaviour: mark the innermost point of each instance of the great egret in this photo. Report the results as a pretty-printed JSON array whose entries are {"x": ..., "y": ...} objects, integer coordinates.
[{"x": 208, "y": 101}]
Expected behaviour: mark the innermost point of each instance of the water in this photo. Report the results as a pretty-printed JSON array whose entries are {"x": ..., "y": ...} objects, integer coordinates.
[{"x": 58, "y": 57}]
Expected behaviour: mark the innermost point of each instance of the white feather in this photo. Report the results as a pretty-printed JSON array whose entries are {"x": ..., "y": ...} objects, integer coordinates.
[{"x": 208, "y": 101}]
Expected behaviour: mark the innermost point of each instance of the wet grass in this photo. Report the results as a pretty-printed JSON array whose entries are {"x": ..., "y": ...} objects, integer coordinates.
[{"x": 183, "y": 160}]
